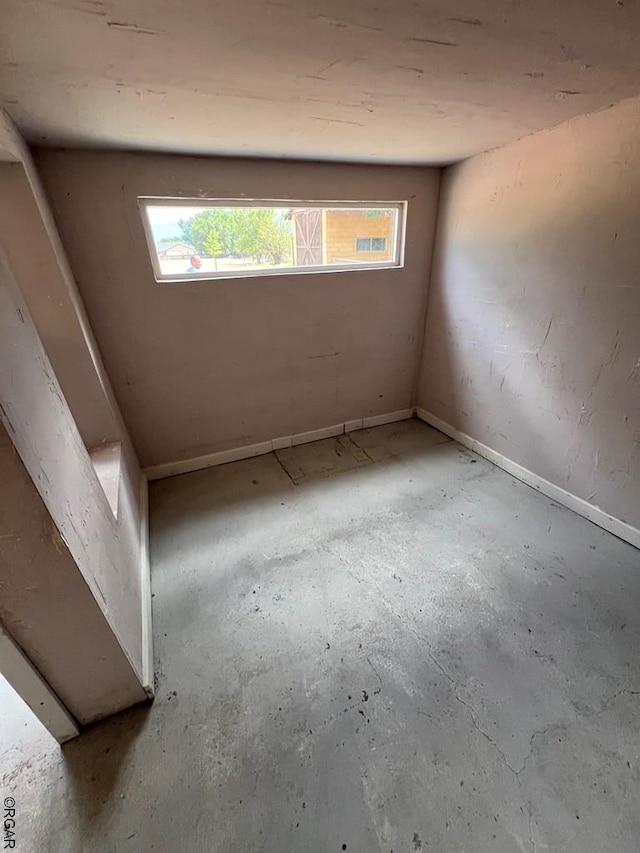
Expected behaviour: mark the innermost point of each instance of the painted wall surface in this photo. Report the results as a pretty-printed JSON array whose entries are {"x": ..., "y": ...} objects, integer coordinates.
[
  {"x": 203, "y": 367},
  {"x": 106, "y": 551},
  {"x": 45, "y": 282},
  {"x": 532, "y": 339},
  {"x": 48, "y": 608},
  {"x": 32, "y": 258}
]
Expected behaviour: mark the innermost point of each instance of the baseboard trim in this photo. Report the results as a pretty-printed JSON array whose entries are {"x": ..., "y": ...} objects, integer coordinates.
[
  {"x": 186, "y": 466},
  {"x": 592, "y": 513},
  {"x": 145, "y": 591},
  {"x": 390, "y": 418}
]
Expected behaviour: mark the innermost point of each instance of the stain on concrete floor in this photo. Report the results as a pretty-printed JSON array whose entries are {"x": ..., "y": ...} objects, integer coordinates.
[{"x": 397, "y": 647}]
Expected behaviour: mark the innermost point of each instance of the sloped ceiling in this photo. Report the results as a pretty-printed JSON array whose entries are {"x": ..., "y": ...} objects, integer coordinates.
[{"x": 361, "y": 80}]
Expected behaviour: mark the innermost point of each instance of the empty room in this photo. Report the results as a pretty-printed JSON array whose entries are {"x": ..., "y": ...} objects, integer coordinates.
[{"x": 319, "y": 426}]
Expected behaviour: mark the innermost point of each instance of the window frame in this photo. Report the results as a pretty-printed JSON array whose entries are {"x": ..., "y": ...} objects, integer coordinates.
[{"x": 399, "y": 236}]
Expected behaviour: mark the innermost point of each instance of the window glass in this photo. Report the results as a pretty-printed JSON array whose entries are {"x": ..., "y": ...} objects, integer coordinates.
[{"x": 222, "y": 239}]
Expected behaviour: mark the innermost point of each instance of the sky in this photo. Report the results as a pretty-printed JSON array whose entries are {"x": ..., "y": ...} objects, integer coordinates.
[
  {"x": 164, "y": 220},
  {"x": 170, "y": 214}
]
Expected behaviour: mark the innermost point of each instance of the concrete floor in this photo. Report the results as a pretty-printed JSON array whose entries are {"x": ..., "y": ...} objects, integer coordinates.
[{"x": 374, "y": 643}]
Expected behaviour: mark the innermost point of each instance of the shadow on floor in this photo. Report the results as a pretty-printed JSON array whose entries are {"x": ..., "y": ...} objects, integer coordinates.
[
  {"x": 420, "y": 654},
  {"x": 97, "y": 763}
]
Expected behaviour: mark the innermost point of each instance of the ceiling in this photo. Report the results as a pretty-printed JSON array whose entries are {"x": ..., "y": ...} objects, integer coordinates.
[{"x": 360, "y": 80}]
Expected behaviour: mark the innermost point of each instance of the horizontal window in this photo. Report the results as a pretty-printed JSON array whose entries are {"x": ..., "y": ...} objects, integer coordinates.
[{"x": 192, "y": 238}]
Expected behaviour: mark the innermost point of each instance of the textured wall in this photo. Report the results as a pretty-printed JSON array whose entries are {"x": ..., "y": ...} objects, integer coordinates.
[
  {"x": 533, "y": 326},
  {"x": 94, "y": 557},
  {"x": 48, "y": 608},
  {"x": 32, "y": 257},
  {"x": 206, "y": 366}
]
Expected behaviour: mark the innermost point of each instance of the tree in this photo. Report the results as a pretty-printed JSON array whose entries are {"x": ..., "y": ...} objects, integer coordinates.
[
  {"x": 197, "y": 228},
  {"x": 265, "y": 235},
  {"x": 261, "y": 233},
  {"x": 213, "y": 246}
]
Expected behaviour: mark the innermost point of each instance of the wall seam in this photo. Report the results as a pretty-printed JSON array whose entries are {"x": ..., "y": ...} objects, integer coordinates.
[{"x": 417, "y": 373}]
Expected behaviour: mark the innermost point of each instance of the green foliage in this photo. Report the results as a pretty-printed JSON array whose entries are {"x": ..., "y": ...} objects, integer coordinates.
[
  {"x": 263, "y": 234},
  {"x": 213, "y": 245},
  {"x": 197, "y": 228},
  {"x": 266, "y": 235}
]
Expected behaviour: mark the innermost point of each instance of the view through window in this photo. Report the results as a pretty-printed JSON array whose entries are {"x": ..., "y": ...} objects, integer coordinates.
[{"x": 223, "y": 239}]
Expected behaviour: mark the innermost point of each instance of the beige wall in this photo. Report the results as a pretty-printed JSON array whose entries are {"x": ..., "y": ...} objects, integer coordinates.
[
  {"x": 533, "y": 326},
  {"x": 48, "y": 608},
  {"x": 101, "y": 556},
  {"x": 206, "y": 366},
  {"x": 32, "y": 257}
]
